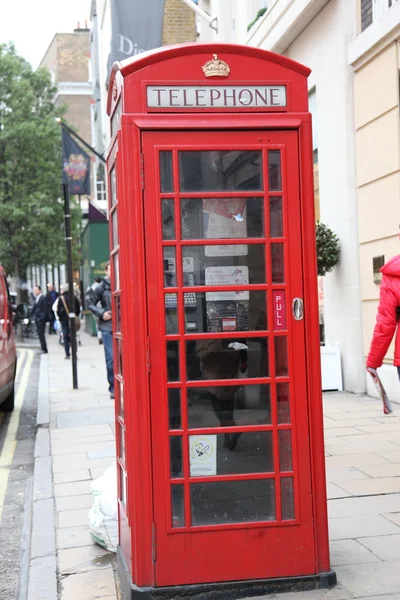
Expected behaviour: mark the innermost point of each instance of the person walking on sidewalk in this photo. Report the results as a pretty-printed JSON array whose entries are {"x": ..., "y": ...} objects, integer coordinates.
[
  {"x": 51, "y": 297},
  {"x": 63, "y": 315},
  {"x": 101, "y": 295},
  {"x": 40, "y": 311},
  {"x": 387, "y": 323}
]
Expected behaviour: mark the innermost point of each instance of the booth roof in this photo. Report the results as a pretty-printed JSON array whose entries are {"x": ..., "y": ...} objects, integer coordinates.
[{"x": 135, "y": 63}]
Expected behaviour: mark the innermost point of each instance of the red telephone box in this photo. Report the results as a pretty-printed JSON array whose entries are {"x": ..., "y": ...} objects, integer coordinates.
[{"x": 216, "y": 335}]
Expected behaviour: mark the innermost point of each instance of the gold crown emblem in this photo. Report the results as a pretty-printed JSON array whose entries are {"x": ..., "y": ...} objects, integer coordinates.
[{"x": 216, "y": 68}]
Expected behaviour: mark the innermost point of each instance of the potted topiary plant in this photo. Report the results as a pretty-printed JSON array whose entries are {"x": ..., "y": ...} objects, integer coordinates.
[{"x": 328, "y": 249}]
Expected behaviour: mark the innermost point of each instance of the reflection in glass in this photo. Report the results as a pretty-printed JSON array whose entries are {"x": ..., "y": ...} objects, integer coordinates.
[
  {"x": 173, "y": 361},
  {"x": 247, "y": 452},
  {"x": 281, "y": 356},
  {"x": 274, "y": 170},
  {"x": 229, "y": 406},
  {"x": 166, "y": 175},
  {"x": 168, "y": 220},
  {"x": 219, "y": 170},
  {"x": 231, "y": 264},
  {"x": 118, "y": 344},
  {"x": 122, "y": 480},
  {"x": 122, "y": 443},
  {"x": 219, "y": 218},
  {"x": 276, "y": 217},
  {"x": 227, "y": 358},
  {"x": 169, "y": 267},
  {"x": 287, "y": 498},
  {"x": 115, "y": 229},
  {"x": 282, "y": 397},
  {"x": 220, "y": 502},
  {"x": 174, "y": 408},
  {"x": 171, "y": 314},
  {"x": 116, "y": 271},
  {"x": 175, "y": 447},
  {"x": 277, "y": 260},
  {"x": 178, "y": 506},
  {"x": 117, "y": 313},
  {"x": 113, "y": 186},
  {"x": 285, "y": 449},
  {"x": 121, "y": 399}
]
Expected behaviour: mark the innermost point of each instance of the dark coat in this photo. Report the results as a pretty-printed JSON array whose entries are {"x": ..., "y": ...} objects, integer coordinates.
[
  {"x": 101, "y": 295},
  {"x": 62, "y": 314},
  {"x": 40, "y": 310}
]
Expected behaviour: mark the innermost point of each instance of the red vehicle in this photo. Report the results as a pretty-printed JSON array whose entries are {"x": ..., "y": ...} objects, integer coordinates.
[{"x": 8, "y": 351}]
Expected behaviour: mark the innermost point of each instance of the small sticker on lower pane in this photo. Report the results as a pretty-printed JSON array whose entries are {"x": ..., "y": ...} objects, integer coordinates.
[{"x": 203, "y": 455}]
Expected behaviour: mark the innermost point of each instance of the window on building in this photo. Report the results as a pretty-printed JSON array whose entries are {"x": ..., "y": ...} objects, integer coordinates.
[{"x": 101, "y": 194}]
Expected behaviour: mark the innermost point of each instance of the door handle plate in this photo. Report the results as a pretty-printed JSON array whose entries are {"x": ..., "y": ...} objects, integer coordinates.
[{"x": 298, "y": 309}]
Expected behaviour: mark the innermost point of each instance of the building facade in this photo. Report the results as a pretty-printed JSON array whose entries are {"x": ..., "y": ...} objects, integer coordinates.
[
  {"x": 352, "y": 47},
  {"x": 179, "y": 26}
]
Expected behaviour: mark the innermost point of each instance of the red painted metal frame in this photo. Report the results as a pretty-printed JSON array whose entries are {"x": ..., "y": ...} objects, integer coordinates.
[{"x": 157, "y": 328}]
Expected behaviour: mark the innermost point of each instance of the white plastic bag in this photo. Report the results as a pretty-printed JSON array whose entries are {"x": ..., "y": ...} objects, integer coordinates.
[{"x": 103, "y": 516}]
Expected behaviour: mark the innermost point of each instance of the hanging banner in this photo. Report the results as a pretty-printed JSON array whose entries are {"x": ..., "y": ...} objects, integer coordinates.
[
  {"x": 136, "y": 26},
  {"x": 76, "y": 166}
]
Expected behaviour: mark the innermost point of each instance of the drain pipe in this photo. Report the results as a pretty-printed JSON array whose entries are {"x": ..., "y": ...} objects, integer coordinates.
[{"x": 213, "y": 22}]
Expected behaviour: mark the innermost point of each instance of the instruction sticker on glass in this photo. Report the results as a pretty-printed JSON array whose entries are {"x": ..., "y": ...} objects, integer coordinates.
[
  {"x": 203, "y": 455},
  {"x": 227, "y": 276},
  {"x": 225, "y": 218}
]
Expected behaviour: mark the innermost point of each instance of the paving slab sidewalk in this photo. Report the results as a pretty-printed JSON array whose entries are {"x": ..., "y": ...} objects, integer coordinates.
[{"x": 75, "y": 444}]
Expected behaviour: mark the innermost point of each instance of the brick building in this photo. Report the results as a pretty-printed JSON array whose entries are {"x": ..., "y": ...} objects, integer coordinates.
[{"x": 67, "y": 59}]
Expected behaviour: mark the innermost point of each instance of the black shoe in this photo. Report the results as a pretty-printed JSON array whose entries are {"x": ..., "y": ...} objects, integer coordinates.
[
  {"x": 67, "y": 356},
  {"x": 43, "y": 352},
  {"x": 112, "y": 395}
]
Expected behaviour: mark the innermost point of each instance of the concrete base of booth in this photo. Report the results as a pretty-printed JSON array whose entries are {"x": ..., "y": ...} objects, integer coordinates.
[{"x": 232, "y": 590}]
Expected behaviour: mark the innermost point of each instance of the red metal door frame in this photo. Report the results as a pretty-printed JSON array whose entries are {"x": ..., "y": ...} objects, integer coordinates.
[{"x": 155, "y": 299}]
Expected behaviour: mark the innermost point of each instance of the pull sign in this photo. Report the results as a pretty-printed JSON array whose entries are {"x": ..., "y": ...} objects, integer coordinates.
[{"x": 279, "y": 303}]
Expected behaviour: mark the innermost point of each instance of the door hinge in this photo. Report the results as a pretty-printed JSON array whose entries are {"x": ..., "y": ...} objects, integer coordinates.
[
  {"x": 142, "y": 171},
  {"x": 148, "y": 359},
  {"x": 154, "y": 543}
]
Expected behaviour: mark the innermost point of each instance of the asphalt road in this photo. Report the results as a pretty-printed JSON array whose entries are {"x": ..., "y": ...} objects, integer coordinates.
[{"x": 17, "y": 439}]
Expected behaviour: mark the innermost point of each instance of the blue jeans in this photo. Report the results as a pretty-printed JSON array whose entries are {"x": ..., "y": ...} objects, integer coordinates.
[{"x": 108, "y": 351}]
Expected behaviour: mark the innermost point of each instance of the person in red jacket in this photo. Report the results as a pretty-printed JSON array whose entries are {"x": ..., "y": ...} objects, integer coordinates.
[{"x": 386, "y": 321}]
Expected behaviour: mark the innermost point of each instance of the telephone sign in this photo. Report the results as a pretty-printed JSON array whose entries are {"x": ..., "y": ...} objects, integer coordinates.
[{"x": 218, "y": 394}]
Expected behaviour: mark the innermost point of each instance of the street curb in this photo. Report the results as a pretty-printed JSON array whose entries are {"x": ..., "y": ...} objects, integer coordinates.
[{"x": 42, "y": 582}]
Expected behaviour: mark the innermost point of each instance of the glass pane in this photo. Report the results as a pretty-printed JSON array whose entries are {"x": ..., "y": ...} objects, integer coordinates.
[
  {"x": 175, "y": 445},
  {"x": 122, "y": 480},
  {"x": 274, "y": 170},
  {"x": 122, "y": 443},
  {"x": 232, "y": 264},
  {"x": 168, "y": 219},
  {"x": 118, "y": 345},
  {"x": 174, "y": 406},
  {"x": 117, "y": 313},
  {"x": 121, "y": 398},
  {"x": 287, "y": 498},
  {"x": 282, "y": 397},
  {"x": 275, "y": 215},
  {"x": 281, "y": 357},
  {"x": 220, "y": 170},
  {"x": 173, "y": 361},
  {"x": 278, "y": 265},
  {"x": 169, "y": 255},
  {"x": 229, "y": 405},
  {"x": 166, "y": 175},
  {"x": 213, "y": 454},
  {"x": 113, "y": 187},
  {"x": 227, "y": 358},
  {"x": 231, "y": 311},
  {"x": 171, "y": 314},
  {"x": 218, "y": 502},
  {"x": 285, "y": 450},
  {"x": 215, "y": 218},
  {"x": 115, "y": 229},
  {"x": 178, "y": 506},
  {"x": 116, "y": 271}
]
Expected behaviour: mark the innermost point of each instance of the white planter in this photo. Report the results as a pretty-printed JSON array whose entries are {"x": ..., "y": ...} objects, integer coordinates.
[{"x": 331, "y": 368}]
